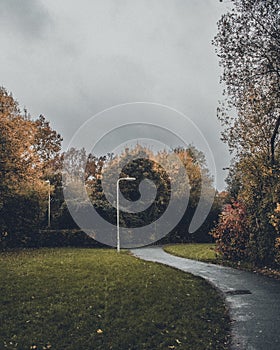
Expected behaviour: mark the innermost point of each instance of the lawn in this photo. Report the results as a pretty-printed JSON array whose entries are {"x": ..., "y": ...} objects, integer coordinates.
[
  {"x": 70, "y": 299},
  {"x": 196, "y": 251}
]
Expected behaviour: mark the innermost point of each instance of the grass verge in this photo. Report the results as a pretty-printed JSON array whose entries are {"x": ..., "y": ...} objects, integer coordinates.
[
  {"x": 97, "y": 299},
  {"x": 196, "y": 251},
  {"x": 206, "y": 252}
]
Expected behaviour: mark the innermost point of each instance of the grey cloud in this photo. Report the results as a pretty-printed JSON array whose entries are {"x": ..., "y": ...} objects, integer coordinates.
[
  {"x": 96, "y": 54},
  {"x": 27, "y": 18}
]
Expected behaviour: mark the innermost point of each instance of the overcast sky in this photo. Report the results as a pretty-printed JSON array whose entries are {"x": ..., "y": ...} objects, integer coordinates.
[{"x": 69, "y": 60}]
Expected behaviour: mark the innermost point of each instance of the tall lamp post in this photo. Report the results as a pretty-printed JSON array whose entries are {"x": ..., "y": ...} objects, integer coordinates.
[
  {"x": 118, "y": 209},
  {"x": 49, "y": 203}
]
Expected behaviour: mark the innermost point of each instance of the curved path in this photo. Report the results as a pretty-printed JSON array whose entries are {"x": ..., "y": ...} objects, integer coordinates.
[{"x": 254, "y": 300}]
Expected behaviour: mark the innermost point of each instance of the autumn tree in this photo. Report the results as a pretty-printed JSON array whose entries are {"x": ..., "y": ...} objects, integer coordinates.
[
  {"x": 27, "y": 148},
  {"x": 47, "y": 146},
  {"x": 113, "y": 166},
  {"x": 84, "y": 167},
  {"x": 18, "y": 160},
  {"x": 248, "y": 45},
  {"x": 19, "y": 167},
  {"x": 144, "y": 164}
]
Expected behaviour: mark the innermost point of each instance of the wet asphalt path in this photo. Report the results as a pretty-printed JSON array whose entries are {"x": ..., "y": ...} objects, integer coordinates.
[{"x": 256, "y": 316}]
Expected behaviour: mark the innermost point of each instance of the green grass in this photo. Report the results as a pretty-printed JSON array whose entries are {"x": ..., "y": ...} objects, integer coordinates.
[
  {"x": 70, "y": 299},
  {"x": 196, "y": 251}
]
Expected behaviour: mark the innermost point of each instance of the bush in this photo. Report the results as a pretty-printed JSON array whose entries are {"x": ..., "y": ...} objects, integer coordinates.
[
  {"x": 19, "y": 220},
  {"x": 65, "y": 238},
  {"x": 232, "y": 233},
  {"x": 52, "y": 239}
]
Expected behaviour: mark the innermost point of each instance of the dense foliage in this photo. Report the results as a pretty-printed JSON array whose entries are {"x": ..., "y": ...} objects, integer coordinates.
[
  {"x": 143, "y": 164},
  {"x": 248, "y": 44}
]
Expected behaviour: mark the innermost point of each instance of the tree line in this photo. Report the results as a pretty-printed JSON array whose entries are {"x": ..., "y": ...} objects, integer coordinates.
[{"x": 31, "y": 164}]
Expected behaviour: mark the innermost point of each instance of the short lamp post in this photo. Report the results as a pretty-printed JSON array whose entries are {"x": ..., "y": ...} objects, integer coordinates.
[
  {"x": 118, "y": 209},
  {"x": 49, "y": 203}
]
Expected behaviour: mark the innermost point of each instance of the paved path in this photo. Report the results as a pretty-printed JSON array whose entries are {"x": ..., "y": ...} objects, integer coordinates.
[{"x": 256, "y": 316}]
